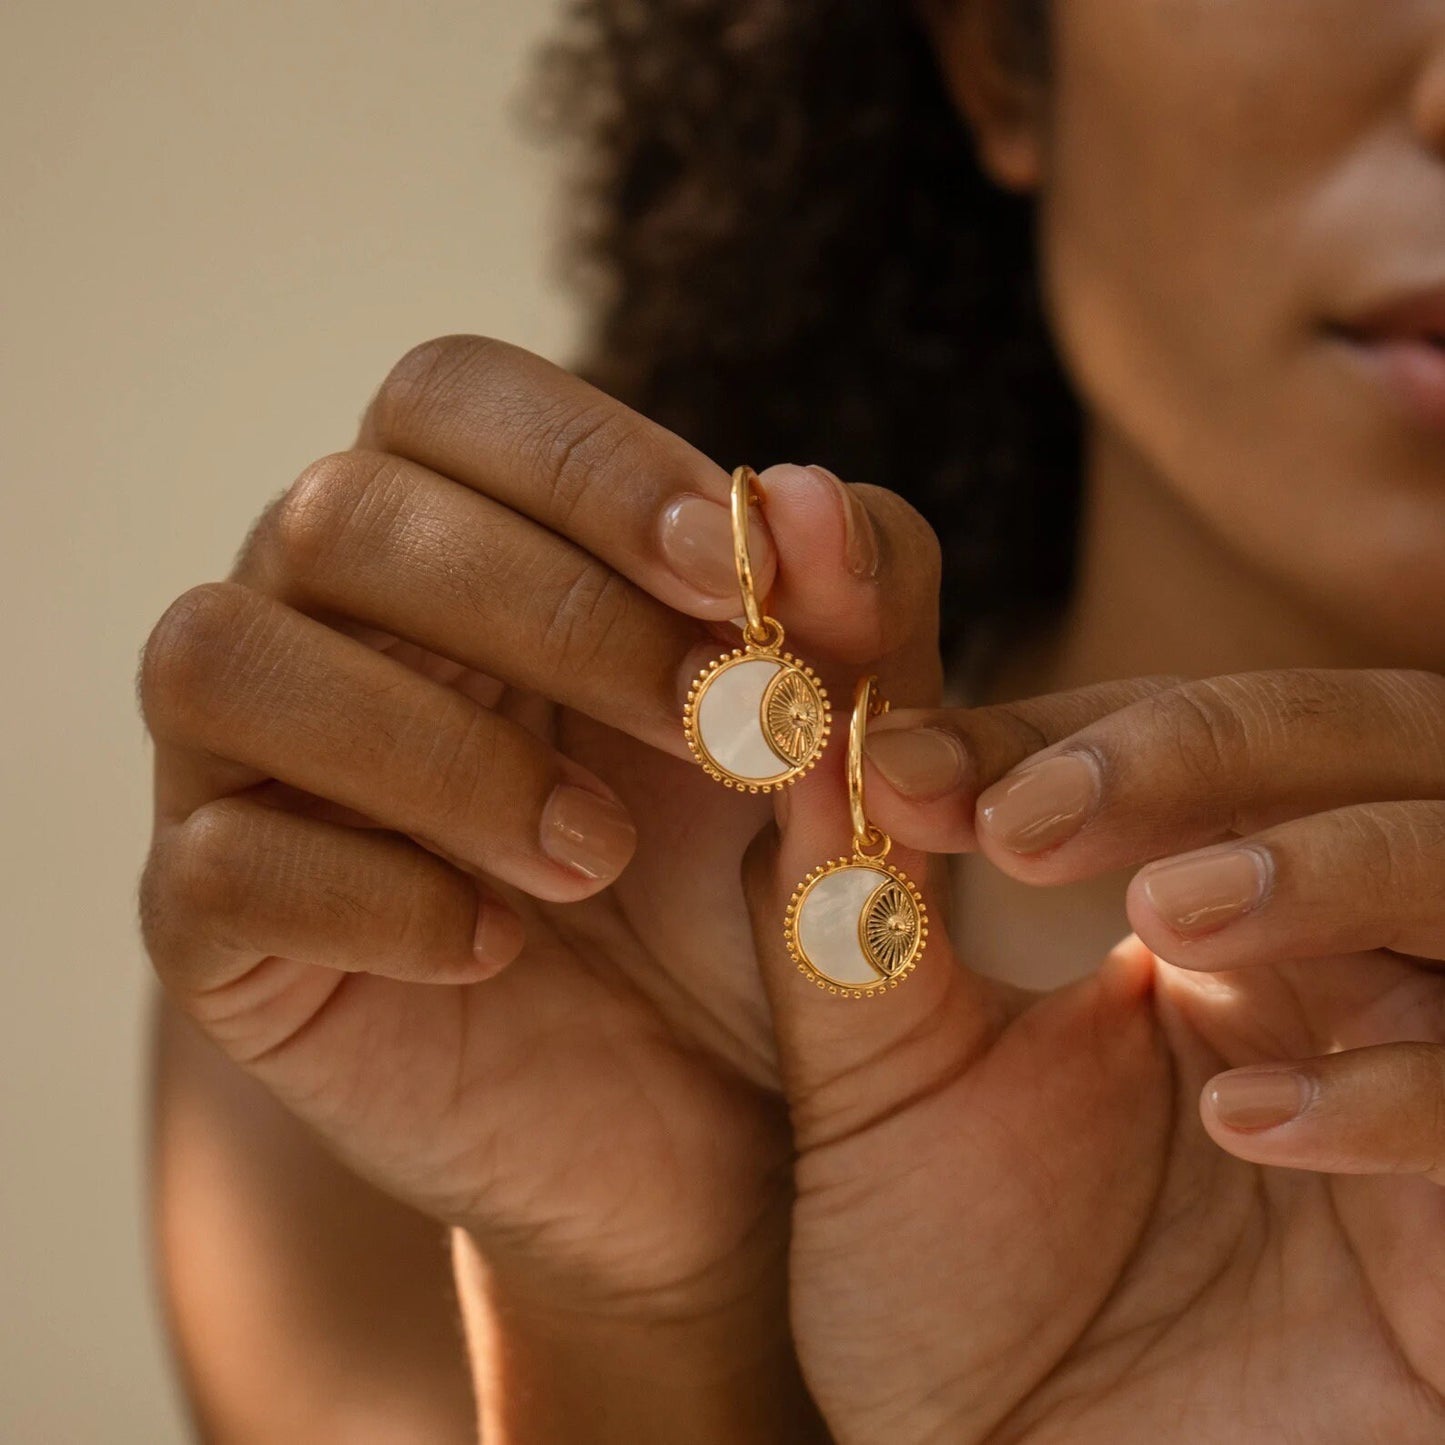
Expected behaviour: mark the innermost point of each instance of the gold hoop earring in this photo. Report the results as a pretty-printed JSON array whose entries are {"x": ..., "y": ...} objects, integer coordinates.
[
  {"x": 857, "y": 926},
  {"x": 756, "y": 718}
]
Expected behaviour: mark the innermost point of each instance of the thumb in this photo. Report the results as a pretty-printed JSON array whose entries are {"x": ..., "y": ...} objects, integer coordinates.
[
  {"x": 852, "y": 1053},
  {"x": 857, "y": 577}
]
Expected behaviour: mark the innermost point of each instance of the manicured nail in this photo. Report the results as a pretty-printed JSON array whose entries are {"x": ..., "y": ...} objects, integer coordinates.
[
  {"x": 1251, "y": 1100},
  {"x": 783, "y": 807},
  {"x": 1203, "y": 892},
  {"x": 860, "y": 537},
  {"x": 922, "y": 763},
  {"x": 696, "y": 538},
  {"x": 498, "y": 937},
  {"x": 589, "y": 834},
  {"x": 1043, "y": 805}
]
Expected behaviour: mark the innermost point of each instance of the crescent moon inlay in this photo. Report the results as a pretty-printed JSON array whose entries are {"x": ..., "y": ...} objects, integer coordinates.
[
  {"x": 758, "y": 721},
  {"x": 856, "y": 927}
]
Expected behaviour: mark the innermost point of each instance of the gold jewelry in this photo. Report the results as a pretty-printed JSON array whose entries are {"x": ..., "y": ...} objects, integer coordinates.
[
  {"x": 756, "y": 718},
  {"x": 857, "y": 926}
]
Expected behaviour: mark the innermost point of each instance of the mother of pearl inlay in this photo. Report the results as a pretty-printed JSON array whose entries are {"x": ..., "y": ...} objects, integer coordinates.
[
  {"x": 730, "y": 723},
  {"x": 827, "y": 925}
]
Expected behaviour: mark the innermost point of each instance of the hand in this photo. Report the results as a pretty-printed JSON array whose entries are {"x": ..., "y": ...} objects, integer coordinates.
[
  {"x": 420, "y": 736},
  {"x": 1015, "y": 1220}
]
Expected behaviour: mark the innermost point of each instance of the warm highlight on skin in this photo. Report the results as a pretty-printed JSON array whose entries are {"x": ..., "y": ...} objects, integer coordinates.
[{"x": 1193, "y": 1177}]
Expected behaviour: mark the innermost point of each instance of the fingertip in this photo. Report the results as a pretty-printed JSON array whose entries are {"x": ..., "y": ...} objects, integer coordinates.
[
  {"x": 1129, "y": 971},
  {"x": 1251, "y": 1100},
  {"x": 694, "y": 538},
  {"x": 920, "y": 783},
  {"x": 498, "y": 937},
  {"x": 919, "y": 762},
  {"x": 1038, "y": 807},
  {"x": 828, "y": 569},
  {"x": 587, "y": 833}
]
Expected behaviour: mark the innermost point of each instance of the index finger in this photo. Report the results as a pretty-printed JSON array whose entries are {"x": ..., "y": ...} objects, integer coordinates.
[{"x": 556, "y": 449}]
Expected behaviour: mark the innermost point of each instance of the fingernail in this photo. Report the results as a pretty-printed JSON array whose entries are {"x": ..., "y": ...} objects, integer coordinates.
[
  {"x": 922, "y": 763},
  {"x": 589, "y": 834},
  {"x": 1204, "y": 892},
  {"x": 1043, "y": 805},
  {"x": 1251, "y": 1100},
  {"x": 860, "y": 538},
  {"x": 696, "y": 539},
  {"x": 782, "y": 807},
  {"x": 498, "y": 937}
]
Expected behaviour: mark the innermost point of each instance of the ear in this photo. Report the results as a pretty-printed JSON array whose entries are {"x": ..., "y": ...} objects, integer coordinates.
[{"x": 997, "y": 85}]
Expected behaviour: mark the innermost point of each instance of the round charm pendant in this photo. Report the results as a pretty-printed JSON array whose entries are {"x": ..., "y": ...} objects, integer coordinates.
[
  {"x": 757, "y": 719},
  {"x": 856, "y": 926}
]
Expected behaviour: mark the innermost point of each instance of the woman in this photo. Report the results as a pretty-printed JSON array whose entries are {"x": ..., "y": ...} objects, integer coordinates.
[{"x": 434, "y": 876}]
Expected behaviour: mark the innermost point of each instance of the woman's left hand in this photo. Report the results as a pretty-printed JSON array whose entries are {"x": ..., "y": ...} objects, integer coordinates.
[{"x": 1014, "y": 1223}]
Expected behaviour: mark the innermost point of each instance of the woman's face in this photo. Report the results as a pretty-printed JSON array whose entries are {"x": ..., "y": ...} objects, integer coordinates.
[{"x": 1243, "y": 227}]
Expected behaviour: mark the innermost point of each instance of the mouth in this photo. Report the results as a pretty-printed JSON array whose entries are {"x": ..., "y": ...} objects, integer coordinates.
[{"x": 1401, "y": 345}]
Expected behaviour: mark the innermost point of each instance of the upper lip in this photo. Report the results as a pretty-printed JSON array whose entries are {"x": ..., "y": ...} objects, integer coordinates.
[{"x": 1406, "y": 316}]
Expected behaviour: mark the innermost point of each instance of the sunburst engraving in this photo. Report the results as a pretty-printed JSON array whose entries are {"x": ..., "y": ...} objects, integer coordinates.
[
  {"x": 889, "y": 928},
  {"x": 792, "y": 716}
]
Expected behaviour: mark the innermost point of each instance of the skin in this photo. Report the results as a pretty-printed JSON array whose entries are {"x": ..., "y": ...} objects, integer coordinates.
[
  {"x": 1018, "y": 1216},
  {"x": 312, "y": 898}
]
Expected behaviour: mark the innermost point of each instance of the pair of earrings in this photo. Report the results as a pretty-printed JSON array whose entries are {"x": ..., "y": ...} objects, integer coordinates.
[{"x": 757, "y": 719}]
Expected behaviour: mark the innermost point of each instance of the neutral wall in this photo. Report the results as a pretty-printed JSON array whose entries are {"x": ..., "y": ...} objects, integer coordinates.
[{"x": 222, "y": 222}]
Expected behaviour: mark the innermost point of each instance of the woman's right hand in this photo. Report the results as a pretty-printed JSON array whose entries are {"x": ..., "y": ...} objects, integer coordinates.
[{"x": 418, "y": 738}]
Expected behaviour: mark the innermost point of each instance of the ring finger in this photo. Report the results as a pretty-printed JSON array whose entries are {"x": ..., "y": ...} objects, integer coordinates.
[
  {"x": 232, "y": 677},
  {"x": 383, "y": 541},
  {"x": 1347, "y": 881}
]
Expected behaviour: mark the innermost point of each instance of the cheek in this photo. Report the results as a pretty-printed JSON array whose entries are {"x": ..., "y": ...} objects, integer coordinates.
[
  {"x": 1191, "y": 142},
  {"x": 1187, "y": 137}
]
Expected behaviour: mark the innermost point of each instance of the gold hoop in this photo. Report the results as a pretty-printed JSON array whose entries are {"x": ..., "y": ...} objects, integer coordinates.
[
  {"x": 761, "y": 631},
  {"x": 868, "y": 841}
]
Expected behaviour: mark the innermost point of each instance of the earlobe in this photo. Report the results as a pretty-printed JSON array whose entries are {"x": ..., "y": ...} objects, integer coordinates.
[
  {"x": 997, "y": 89},
  {"x": 1012, "y": 159}
]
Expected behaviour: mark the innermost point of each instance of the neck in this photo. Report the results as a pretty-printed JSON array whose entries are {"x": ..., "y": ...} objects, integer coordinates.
[{"x": 1158, "y": 592}]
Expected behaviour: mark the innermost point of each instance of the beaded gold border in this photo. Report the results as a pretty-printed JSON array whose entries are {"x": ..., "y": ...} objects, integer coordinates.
[
  {"x": 694, "y": 737},
  {"x": 805, "y": 966}
]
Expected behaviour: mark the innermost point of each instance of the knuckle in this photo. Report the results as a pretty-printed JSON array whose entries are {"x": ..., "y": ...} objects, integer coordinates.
[
  {"x": 333, "y": 508},
  {"x": 430, "y": 376},
  {"x": 1027, "y": 735},
  {"x": 459, "y": 773},
  {"x": 1417, "y": 697},
  {"x": 590, "y": 613},
  {"x": 573, "y": 446},
  {"x": 190, "y": 649},
  {"x": 1205, "y": 726},
  {"x": 1372, "y": 848},
  {"x": 1386, "y": 849}
]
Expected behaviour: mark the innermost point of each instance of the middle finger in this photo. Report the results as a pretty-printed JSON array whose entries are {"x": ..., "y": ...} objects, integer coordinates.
[
  {"x": 384, "y": 541},
  {"x": 1207, "y": 760}
]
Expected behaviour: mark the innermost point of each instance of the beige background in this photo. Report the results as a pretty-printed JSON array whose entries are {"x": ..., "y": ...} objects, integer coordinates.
[{"x": 222, "y": 223}]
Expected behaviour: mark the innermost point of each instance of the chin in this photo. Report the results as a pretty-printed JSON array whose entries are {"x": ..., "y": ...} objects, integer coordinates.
[{"x": 1393, "y": 600}]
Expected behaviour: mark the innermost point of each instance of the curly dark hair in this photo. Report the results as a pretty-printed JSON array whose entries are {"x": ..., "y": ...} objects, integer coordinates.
[{"x": 794, "y": 255}]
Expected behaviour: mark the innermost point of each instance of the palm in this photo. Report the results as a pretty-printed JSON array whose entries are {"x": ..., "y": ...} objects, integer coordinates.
[
  {"x": 598, "y": 1102},
  {"x": 1098, "y": 1269}
]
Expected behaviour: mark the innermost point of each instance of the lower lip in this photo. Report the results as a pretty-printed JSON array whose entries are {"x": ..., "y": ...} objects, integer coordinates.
[{"x": 1412, "y": 372}]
